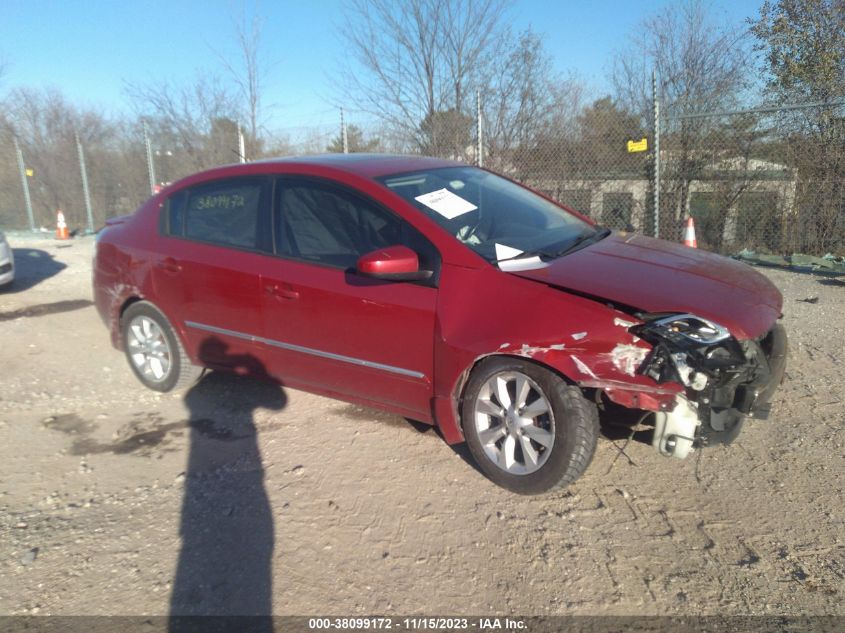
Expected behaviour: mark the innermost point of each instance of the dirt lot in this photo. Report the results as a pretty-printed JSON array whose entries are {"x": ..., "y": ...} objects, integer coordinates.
[{"x": 237, "y": 495}]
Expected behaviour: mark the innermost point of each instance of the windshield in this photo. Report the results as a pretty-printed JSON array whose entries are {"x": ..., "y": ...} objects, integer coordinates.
[{"x": 496, "y": 218}]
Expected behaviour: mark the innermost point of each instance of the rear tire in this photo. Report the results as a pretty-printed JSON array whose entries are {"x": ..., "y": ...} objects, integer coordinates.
[
  {"x": 154, "y": 351},
  {"x": 528, "y": 430}
]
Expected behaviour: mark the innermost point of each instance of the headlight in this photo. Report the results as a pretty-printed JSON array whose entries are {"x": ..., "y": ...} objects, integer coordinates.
[
  {"x": 688, "y": 327},
  {"x": 687, "y": 348}
]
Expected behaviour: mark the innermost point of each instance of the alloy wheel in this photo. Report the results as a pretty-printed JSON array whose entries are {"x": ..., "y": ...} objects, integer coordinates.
[
  {"x": 515, "y": 422},
  {"x": 148, "y": 348}
]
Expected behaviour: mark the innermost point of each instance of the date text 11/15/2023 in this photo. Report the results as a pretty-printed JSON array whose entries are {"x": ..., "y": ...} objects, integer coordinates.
[{"x": 417, "y": 623}]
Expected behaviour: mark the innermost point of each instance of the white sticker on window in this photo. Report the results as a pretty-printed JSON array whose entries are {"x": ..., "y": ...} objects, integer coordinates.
[
  {"x": 506, "y": 252},
  {"x": 446, "y": 203}
]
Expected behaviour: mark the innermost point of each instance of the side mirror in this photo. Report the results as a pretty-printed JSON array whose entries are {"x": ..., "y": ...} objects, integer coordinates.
[{"x": 394, "y": 263}]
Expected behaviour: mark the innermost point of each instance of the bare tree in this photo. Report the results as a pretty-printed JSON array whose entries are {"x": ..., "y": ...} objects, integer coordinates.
[
  {"x": 248, "y": 73},
  {"x": 10, "y": 194},
  {"x": 420, "y": 58},
  {"x": 196, "y": 122},
  {"x": 524, "y": 101},
  {"x": 396, "y": 46},
  {"x": 47, "y": 125},
  {"x": 701, "y": 66},
  {"x": 470, "y": 31}
]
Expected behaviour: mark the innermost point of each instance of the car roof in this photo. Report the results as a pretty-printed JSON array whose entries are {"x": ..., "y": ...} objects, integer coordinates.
[{"x": 367, "y": 165}]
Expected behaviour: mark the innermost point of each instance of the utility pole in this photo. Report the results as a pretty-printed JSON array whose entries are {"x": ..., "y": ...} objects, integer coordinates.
[
  {"x": 150, "y": 165},
  {"x": 656, "y": 179},
  {"x": 25, "y": 183},
  {"x": 343, "y": 133},
  {"x": 479, "y": 151},
  {"x": 85, "y": 190},
  {"x": 241, "y": 145}
]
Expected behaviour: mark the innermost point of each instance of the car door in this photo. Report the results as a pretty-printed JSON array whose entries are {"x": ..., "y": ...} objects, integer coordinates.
[
  {"x": 206, "y": 273},
  {"x": 332, "y": 330}
]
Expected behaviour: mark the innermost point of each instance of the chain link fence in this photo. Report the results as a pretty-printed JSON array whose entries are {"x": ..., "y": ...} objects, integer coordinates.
[
  {"x": 589, "y": 169},
  {"x": 767, "y": 179},
  {"x": 770, "y": 180}
]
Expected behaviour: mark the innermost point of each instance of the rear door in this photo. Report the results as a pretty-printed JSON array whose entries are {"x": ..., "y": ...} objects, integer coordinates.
[
  {"x": 330, "y": 329},
  {"x": 206, "y": 275}
]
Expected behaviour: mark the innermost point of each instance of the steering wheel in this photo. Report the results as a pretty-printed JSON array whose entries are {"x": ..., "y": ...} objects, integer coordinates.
[{"x": 467, "y": 233}]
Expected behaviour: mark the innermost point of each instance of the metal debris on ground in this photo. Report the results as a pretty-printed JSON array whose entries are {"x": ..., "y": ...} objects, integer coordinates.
[{"x": 828, "y": 264}]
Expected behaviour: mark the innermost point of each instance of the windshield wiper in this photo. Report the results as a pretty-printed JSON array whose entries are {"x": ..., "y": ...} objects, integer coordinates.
[
  {"x": 580, "y": 242},
  {"x": 585, "y": 239}
]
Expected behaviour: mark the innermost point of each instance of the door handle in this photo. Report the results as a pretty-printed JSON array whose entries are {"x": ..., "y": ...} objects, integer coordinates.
[
  {"x": 282, "y": 292},
  {"x": 169, "y": 265}
]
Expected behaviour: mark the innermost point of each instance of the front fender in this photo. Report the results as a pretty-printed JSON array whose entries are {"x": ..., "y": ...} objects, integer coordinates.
[{"x": 483, "y": 312}]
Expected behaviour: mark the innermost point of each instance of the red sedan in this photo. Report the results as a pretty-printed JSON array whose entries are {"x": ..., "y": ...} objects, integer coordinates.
[{"x": 446, "y": 294}]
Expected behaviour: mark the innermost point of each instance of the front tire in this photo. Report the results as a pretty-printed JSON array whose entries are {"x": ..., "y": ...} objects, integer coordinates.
[
  {"x": 528, "y": 430},
  {"x": 154, "y": 351}
]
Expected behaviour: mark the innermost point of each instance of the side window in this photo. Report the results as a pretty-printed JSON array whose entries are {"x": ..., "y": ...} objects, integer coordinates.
[
  {"x": 224, "y": 212},
  {"x": 329, "y": 225},
  {"x": 173, "y": 214}
]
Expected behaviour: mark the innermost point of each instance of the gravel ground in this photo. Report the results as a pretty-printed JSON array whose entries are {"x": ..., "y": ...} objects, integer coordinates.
[{"x": 241, "y": 497}]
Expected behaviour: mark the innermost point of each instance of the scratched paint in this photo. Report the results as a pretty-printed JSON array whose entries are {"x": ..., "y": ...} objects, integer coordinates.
[
  {"x": 626, "y": 358},
  {"x": 582, "y": 367},
  {"x": 117, "y": 295},
  {"x": 532, "y": 350}
]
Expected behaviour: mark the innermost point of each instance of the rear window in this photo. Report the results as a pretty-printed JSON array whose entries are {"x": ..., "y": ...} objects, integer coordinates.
[{"x": 224, "y": 212}]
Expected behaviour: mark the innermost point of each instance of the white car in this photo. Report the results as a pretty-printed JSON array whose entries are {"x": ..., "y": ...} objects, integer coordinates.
[{"x": 7, "y": 262}]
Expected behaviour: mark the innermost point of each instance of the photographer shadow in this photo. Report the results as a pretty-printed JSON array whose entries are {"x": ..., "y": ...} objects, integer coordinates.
[{"x": 227, "y": 531}]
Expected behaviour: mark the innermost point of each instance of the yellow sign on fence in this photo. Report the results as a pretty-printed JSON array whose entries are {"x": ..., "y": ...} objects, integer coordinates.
[
  {"x": 638, "y": 146},
  {"x": 29, "y": 173}
]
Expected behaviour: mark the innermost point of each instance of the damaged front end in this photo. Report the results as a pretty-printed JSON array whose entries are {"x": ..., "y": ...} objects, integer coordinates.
[{"x": 724, "y": 379}]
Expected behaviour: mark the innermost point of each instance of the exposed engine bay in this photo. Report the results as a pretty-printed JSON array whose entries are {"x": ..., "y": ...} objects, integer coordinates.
[{"x": 724, "y": 379}]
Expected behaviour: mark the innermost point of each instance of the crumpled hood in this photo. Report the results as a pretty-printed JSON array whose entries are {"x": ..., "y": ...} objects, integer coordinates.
[{"x": 658, "y": 276}]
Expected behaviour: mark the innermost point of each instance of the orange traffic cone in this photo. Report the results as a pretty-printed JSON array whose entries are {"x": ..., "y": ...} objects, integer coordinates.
[
  {"x": 689, "y": 234},
  {"x": 61, "y": 226}
]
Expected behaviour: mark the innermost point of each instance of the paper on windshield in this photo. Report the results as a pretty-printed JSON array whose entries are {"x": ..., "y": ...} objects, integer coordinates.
[
  {"x": 506, "y": 252},
  {"x": 505, "y": 255},
  {"x": 528, "y": 263},
  {"x": 446, "y": 203}
]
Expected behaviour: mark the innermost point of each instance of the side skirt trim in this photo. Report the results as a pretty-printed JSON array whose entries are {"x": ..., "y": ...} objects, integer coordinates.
[{"x": 306, "y": 350}]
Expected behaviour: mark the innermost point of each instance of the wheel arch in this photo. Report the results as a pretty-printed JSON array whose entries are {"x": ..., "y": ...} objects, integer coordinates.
[
  {"x": 117, "y": 330},
  {"x": 137, "y": 298},
  {"x": 573, "y": 426},
  {"x": 464, "y": 376},
  {"x": 449, "y": 418},
  {"x": 182, "y": 371},
  {"x": 128, "y": 302}
]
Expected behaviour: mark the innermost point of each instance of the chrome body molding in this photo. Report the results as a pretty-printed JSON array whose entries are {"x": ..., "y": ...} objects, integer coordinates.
[{"x": 306, "y": 350}]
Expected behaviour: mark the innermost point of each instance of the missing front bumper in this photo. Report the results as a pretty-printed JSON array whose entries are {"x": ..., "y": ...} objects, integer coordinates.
[{"x": 718, "y": 415}]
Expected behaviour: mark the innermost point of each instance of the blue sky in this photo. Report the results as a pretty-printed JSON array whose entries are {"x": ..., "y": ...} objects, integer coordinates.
[{"x": 90, "y": 49}]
